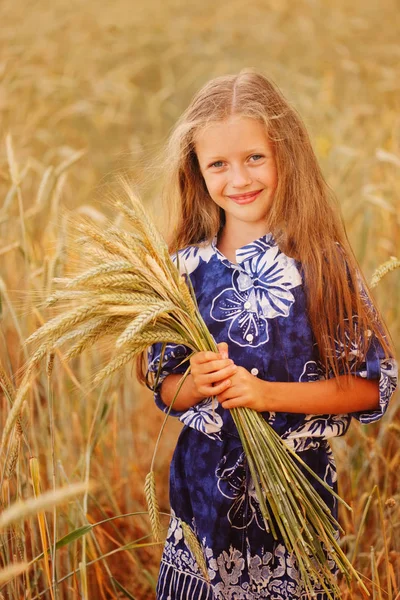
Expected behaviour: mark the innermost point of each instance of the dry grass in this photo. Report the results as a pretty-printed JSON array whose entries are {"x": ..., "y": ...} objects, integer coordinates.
[{"x": 110, "y": 80}]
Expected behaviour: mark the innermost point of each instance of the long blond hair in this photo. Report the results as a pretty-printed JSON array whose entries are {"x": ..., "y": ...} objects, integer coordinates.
[{"x": 304, "y": 217}]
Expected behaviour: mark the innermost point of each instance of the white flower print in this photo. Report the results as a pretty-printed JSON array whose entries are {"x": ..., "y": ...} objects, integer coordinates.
[
  {"x": 315, "y": 430},
  {"x": 387, "y": 385},
  {"x": 388, "y": 380},
  {"x": 274, "y": 275},
  {"x": 330, "y": 475},
  {"x": 238, "y": 305},
  {"x": 172, "y": 353},
  {"x": 230, "y": 565},
  {"x": 273, "y": 574},
  {"x": 234, "y": 484},
  {"x": 204, "y": 417},
  {"x": 249, "y": 251},
  {"x": 312, "y": 371},
  {"x": 189, "y": 258},
  {"x": 251, "y": 301},
  {"x": 175, "y": 529},
  {"x": 353, "y": 342}
]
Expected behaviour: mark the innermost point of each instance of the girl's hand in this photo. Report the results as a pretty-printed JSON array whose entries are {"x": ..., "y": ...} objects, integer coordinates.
[
  {"x": 245, "y": 390},
  {"x": 212, "y": 372}
]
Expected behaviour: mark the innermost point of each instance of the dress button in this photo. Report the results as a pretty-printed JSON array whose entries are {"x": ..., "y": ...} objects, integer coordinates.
[
  {"x": 249, "y": 337},
  {"x": 247, "y": 304},
  {"x": 254, "y": 371}
]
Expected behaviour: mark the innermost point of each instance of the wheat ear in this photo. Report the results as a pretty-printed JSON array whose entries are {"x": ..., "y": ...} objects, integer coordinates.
[
  {"x": 118, "y": 362},
  {"x": 14, "y": 413},
  {"x": 194, "y": 546},
  {"x": 384, "y": 269},
  {"x": 6, "y": 383},
  {"x": 142, "y": 320},
  {"x": 152, "y": 505},
  {"x": 141, "y": 221},
  {"x": 57, "y": 326},
  {"x": 121, "y": 266},
  {"x": 50, "y": 364},
  {"x": 14, "y": 453},
  {"x": 90, "y": 338},
  {"x": 116, "y": 280}
]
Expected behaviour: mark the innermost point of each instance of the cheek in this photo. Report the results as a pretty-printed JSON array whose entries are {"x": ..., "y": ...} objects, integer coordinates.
[
  {"x": 215, "y": 185},
  {"x": 273, "y": 179}
]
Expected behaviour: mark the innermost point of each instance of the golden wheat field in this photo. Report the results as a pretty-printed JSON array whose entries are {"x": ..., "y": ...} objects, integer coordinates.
[{"x": 89, "y": 91}]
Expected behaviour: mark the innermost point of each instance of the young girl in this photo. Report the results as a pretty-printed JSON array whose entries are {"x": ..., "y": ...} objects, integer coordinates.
[{"x": 298, "y": 335}]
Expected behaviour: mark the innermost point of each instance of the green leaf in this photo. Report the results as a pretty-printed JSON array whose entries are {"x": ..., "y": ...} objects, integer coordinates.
[{"x": 72, "y": 536}]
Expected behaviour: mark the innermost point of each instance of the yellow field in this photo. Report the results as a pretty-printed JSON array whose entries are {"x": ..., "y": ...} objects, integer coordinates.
[{"x": 89, "y": 90}]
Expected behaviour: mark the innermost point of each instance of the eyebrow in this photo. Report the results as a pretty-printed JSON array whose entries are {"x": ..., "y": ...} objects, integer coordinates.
[{"x": 245, "y": 153}]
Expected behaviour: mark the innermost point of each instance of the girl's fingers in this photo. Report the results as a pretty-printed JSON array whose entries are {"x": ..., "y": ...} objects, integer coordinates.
[
  {"x": 215, "y": 390},
  {"x": 226, "y": 394},
  {"x": 204, "y": 357},
  {"x": 204, "y": 383},
  {"x": 210, "y": 366},
  {"x": 229, "y": 404},
  {"x": 223, "y": 349},
  {"x": 208, "y": 356},
  {"x": 219, "y": 375}
]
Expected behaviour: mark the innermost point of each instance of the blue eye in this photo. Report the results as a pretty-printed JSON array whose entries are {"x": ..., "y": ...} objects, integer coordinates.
[
  {"x": 217, "y": 164},
  {"x": 256, "y": 157}
]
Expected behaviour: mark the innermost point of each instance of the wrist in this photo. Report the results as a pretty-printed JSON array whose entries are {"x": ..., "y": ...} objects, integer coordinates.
[
  {"x": 192, "y": 390},
  {"x": 269, "y": 396}
]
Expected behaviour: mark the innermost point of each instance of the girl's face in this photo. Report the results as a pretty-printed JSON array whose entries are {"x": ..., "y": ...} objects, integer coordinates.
[{"x": 237, "y": 162}]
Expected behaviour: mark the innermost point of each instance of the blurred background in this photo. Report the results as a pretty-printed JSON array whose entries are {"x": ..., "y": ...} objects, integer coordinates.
[{"x": 89, "y": 91}]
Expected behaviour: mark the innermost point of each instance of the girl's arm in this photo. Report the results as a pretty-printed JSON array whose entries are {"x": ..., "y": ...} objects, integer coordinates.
[
  {"x": 187, "y": 396},
  {"x": 209, "y": 377},
  {"x": 318, "y": 397}
]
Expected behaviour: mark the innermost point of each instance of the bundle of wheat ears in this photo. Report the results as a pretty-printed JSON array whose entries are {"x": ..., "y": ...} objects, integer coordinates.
[{"x": 132, "y": 291}]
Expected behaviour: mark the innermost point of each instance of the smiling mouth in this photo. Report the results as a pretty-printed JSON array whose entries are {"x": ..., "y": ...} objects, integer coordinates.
[{"x": 245, "y": 198}]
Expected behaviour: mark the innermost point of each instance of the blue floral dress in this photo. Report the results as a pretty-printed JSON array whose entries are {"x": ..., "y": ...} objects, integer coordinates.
[{"x": 258, "y": 307}]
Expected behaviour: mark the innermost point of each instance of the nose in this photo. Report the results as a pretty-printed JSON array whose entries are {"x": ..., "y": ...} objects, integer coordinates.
[{"x": 240, "y": 177}]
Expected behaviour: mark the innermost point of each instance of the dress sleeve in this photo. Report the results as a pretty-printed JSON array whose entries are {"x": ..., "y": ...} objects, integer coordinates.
[
  {"x": 175, "y": 360},
  {"x": 374, "y": 365},
  {"x": 385, "y": 371}
]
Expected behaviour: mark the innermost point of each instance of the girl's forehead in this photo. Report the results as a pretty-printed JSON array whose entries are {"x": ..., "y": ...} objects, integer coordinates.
[{"x": 234, "y": 132}]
